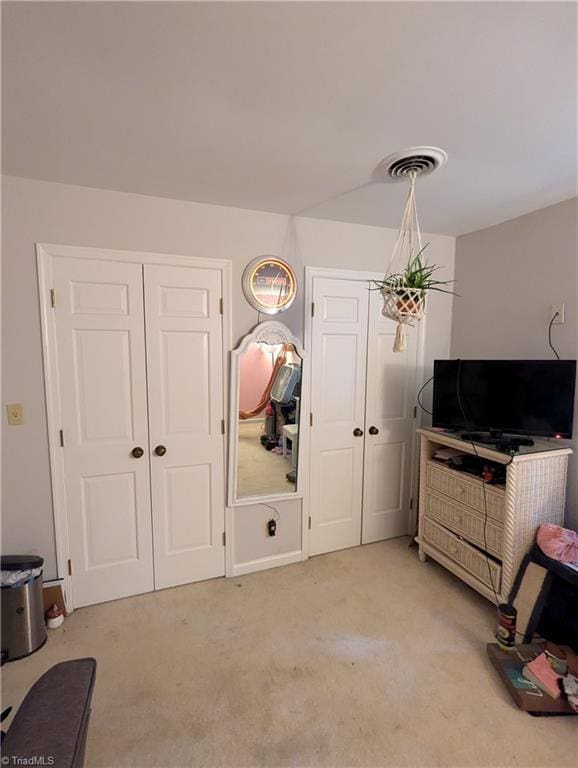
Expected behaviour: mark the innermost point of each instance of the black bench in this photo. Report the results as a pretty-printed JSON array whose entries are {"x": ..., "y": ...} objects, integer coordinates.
[{"x": 51, "y": 724}]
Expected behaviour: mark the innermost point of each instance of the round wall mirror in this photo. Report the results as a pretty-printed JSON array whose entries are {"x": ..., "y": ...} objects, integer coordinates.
[{"x": 269, "y": 284}]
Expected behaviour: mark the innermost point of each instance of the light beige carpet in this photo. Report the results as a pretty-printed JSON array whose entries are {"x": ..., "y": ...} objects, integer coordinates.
[
  {"x": 259, "y": 471},
  {"x": 364, "y": 657}
]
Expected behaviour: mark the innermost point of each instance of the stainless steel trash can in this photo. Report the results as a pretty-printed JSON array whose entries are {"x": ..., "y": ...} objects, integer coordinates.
[{"x": 23, "y": 627}]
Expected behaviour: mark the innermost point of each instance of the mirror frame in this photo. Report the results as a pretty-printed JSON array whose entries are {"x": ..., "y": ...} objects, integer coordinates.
[{"x": 269, "y": 332}]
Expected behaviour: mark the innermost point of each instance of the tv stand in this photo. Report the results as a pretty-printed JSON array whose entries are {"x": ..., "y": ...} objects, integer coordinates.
[
  {"x": 481, "y": 532},
  {"x": 501, "y": 441}
]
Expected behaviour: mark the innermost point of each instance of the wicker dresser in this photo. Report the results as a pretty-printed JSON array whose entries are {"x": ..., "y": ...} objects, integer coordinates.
[{"x": 455, "y": 507}]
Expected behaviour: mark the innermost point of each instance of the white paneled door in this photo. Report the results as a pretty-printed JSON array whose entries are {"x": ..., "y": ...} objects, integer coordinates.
[
  {"x": 338, "y": 364},
  {"x": 362, "y": 405},
  {"x": 389, "y": 428},
  {"x": 185, "y": 380},
  {"x": 102, "y": 382},
  {"x": 139, "y": 357}
]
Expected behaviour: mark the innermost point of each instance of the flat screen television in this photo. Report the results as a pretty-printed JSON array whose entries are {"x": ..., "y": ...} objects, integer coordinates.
[{"x": 520, "y": 397}]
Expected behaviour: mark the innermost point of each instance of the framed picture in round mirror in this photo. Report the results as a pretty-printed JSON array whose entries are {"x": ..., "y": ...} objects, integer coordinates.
[{"x": 269, "y": 284}]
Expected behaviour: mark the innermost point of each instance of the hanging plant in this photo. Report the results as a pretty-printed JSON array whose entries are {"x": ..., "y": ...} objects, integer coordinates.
[
  {"x": 404, "y": 293},
  {"x": 408, "y": 288}
]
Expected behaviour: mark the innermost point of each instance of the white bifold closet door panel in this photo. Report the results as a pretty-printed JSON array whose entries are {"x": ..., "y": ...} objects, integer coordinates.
[
  {"x": 102, "y": 385},
  {"x": 390, "y": 428},
  {"x": 362, "y": 402},
  {"x": 338, "y": 360},
  {"x": 185, "y": 384}
]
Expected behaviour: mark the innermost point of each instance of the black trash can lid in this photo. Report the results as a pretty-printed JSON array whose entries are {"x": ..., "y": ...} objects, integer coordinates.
[{"x": 20, "y": 562}]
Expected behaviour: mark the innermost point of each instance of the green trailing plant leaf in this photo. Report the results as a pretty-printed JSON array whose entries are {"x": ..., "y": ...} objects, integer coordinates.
[{"x": 418, "y": 274}]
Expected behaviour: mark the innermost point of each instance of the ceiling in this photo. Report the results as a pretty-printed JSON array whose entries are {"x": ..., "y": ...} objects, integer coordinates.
[{"x": 279, "y": 106}]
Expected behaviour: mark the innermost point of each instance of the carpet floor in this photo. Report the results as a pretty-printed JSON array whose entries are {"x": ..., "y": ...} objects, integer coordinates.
[
  {"x": 259, "y": 472},
  {"x": 363, "y": 657}
]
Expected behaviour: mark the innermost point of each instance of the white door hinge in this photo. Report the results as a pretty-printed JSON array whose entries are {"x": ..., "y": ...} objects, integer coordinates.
[
  {"x": 310, "y": 419},
  {"x": 221, "y": 306},
  {"x": 312, "y": 309},
  {"x": 52, "y": 298},
  {"x": 224, "y": 538},
  {"x": 309, "y": 522},
  {"x": 222, "y": 426},
  {"x": 61, "y": 436},
  {"x": 70, "y": 567}
]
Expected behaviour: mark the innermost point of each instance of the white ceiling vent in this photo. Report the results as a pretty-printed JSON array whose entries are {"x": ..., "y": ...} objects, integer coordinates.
[{"x": 421, "y": 160}]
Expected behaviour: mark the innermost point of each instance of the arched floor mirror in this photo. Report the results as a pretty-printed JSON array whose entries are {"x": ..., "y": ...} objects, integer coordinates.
[{"x": 265, "y": 416}]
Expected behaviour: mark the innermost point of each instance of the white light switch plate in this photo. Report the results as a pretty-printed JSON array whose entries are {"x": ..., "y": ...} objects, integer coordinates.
[{"x": 559, "y": 308}]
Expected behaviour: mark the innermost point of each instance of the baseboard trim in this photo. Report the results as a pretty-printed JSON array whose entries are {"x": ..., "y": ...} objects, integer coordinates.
[{"x": 264, "y": 563}]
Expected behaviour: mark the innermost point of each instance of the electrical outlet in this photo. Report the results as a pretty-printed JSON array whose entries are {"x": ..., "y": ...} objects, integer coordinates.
[
  {"x": 559, "y": 308},
  {"x": 15, "y": 414}
]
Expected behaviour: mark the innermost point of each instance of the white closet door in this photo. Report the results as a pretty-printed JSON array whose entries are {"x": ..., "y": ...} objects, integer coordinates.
[
  {"x": 185, "y": 385},
  {"x": 338, "y": 360},
  {"x": 102, "y": 383},
  {"x": 389, "y": 428}
]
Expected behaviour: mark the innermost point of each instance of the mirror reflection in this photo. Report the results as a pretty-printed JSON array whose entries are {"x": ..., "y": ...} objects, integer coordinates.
[{"x": 268, "y": 420}]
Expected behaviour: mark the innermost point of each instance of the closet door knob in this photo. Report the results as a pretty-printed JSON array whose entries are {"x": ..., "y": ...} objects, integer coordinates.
[
  {"x": 357, "y": 432},
  {"x": 160, "y": 450},
  {"x": 373, "y": 431},
  {"x": 137, "y": 452}
]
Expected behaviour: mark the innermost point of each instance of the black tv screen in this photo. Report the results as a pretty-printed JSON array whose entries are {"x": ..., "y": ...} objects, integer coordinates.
[{"x": 529, "y": 397}]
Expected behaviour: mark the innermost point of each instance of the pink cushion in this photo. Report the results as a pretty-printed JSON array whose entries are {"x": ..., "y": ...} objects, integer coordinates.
[{"x": 558, "y": 543}]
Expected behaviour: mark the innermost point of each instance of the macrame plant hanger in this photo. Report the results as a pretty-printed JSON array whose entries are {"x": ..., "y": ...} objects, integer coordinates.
[{"x": 402, "y": 303}]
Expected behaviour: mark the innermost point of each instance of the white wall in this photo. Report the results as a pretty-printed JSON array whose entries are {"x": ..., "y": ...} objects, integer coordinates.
[
  {"x": 37, "y": 211},
  {"x": 508, "y": 276},
  {"x": 253, "y": 548}
]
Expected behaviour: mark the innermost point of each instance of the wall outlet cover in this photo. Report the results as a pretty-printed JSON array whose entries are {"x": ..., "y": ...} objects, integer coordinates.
[{"x": 557, "y": 308}]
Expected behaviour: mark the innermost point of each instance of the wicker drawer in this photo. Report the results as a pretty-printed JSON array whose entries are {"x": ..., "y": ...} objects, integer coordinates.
[
  {"x": 459, "y": 551},
  {"x": 465, "y": 490},
  {"x": 464, "y": 521}
]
